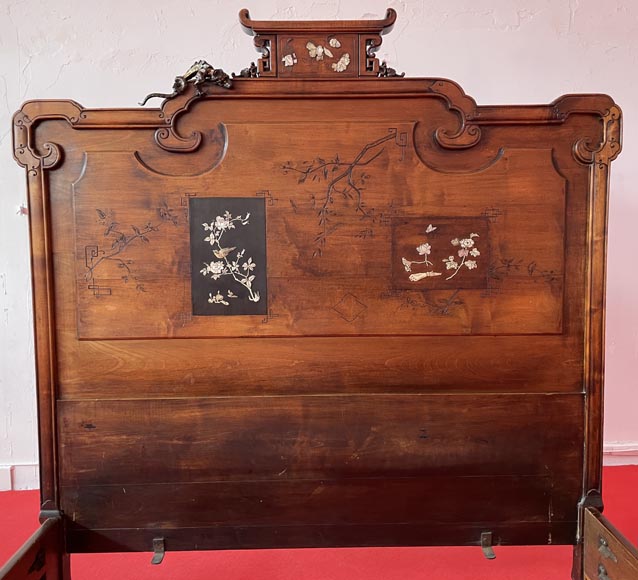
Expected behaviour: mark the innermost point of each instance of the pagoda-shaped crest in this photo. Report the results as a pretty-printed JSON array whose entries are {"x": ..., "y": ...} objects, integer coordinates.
[{"x": 319, "y": 48}]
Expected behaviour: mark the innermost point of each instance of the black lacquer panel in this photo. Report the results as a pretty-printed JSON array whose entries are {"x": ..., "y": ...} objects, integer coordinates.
[{"x": 228, "y": 256}]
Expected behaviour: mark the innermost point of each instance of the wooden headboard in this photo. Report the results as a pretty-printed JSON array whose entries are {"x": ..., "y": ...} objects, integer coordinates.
[{"x": 318, "y": 304}]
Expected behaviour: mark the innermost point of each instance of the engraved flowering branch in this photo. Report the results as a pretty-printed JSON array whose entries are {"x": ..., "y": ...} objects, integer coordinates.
[
  {"x": 119, "y": 241},
  {"x": 229, "y": 261},
  {"x": 436, "y": 306},
  {"x": 346, "y": 179},
  {"x": 466, "y": 256}
]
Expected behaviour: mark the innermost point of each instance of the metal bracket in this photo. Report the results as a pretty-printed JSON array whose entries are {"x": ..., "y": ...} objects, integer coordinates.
[
  {"x": 605, "y": 550},
  {"x": 49, "y": 514},
  {"x": 486, "y": 545},
  {"x": 158, "y": 551}
]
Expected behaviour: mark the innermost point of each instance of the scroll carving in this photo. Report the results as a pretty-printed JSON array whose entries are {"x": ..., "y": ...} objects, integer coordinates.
[
  {"x": 167, "y": 137},
  {"x": 209, "y": 155},
  {"x": 265, "y": 44},
  {"x": 191, "y": 86},
  {"x": 367, "y": 48},
  {"x": 24, "y": 123},
  {"x": 610, "y": 145},
  {"x": 468, "y": 134},
  {"x": 186, "y": 89}
]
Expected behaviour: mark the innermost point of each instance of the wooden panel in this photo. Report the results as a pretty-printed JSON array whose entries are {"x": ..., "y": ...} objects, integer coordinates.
[
  {"x": 322, "y": 461},
  {"x": 287, "y": 438},
  {"x": 318, "y": 536},
  {"x": 608, "y": 554},
  {"x": 121, "y": 369},
  {"x": 413, "y": 500},
  {"x": 331, "y": 55},
  {"x": 337, "y": 263},
  {"x": 190, "y": 368}
]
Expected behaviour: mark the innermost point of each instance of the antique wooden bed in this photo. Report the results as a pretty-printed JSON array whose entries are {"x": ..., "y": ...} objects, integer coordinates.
[{"x": 319, "y": 304}]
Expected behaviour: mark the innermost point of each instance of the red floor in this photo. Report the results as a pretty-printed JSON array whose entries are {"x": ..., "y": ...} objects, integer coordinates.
[{"x": 18, "y": 515}]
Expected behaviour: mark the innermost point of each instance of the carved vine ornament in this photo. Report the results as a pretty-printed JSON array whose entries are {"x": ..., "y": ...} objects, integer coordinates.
[{"x": 198, "y": 74}]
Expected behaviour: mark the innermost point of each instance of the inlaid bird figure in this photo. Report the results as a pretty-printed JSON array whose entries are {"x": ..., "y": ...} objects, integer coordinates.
[{"x": 221, "y": 254}]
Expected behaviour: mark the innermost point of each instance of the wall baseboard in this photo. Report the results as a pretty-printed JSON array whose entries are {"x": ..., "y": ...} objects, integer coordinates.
[
  {"x": 620, "y": 453},
  {"x": 6, "y": 478},
  {"x": 19, "y": 477},
  {"x": 26, "y": 476}
]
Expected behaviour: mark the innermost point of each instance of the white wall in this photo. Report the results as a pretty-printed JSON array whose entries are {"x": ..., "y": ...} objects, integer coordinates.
[{"x": 110, "y": 54}]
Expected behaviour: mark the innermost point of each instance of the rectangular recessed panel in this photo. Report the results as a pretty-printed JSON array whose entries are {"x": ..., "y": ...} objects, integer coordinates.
[
  {"x": 361, "y": 238},
  {"x": 228, "y": 256}
]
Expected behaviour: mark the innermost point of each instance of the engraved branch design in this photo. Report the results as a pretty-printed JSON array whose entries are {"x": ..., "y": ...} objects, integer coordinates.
[
  {"x": 503, "y": 268},
  {"x": 227, "y": 264},
  {"x": 120, "y": 241},
  {"x": 436, "y": 306},
  {"x": 342, "y": 178}
]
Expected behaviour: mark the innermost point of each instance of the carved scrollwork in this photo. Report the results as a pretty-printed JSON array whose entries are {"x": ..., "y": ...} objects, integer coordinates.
[
  {"x": 169, "y": 140},
  {"x": 265, "y": 44},
  {"x": 24, "y": 122},
  {"x": 372, "y": 44},
  {"x": 468, "y": 134},
  {"x": 368, "y": 46},
  {"x": 168, "y": 137},
  {"x": 610, "y": 145},
  {"x": 26, "y": 157}
]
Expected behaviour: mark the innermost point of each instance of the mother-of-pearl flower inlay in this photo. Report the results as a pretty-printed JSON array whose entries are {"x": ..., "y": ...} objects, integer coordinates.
[
  {"x": 466, "y": 257},
  {"x": 289, "y": 59},
  {"x": 229, "y": 259}
]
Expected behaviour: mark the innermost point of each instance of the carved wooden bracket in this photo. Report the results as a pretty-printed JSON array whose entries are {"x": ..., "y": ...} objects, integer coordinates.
[
  {"x": 468, "y": 134},
  {"x": 601, "y": 149},
  {"x": 318, "y": 48},
  {"x": 609, "y": 146},
  {"x": 606, "y": 145},
  {"x": 24, "y": 123},
  {"x": 167, "y": 137}
]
